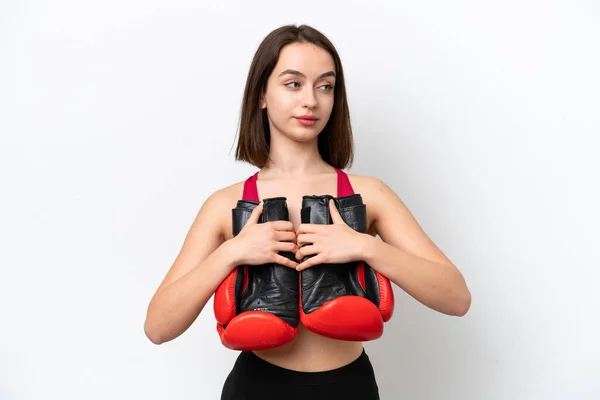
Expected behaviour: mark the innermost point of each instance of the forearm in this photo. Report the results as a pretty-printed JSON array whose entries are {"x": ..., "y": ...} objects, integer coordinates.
[
  {"x": 175, "y": 307},
  {"x": 438, "y": 286}
]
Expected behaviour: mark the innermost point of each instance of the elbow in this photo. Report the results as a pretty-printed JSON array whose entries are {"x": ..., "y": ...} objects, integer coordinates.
[
  {"x": 152, "y": 333},
  {"x": 463, "y": 305},
  {"x": 154, "y": 338}
]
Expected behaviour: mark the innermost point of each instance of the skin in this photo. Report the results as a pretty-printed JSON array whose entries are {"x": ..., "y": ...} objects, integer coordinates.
[{"x": 403, "y": 252}]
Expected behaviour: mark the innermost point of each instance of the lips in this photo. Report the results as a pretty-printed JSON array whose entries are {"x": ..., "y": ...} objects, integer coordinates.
[
  {"x": 306, "y": 122},
  {"x": 307, "y": 117}
]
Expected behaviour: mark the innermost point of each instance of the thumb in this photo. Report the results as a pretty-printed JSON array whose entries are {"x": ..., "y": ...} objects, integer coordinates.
[
  {"x": 255, "y": 214},
  {"x": 336, "y": 218}
]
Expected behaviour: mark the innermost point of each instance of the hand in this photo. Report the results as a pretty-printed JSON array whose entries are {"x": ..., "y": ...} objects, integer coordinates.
[
  {"x": 330, "y": 244},
  {"x": 259, "y": 244}
]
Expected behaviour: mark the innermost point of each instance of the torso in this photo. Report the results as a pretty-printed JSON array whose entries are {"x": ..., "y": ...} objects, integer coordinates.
[{"x": 308, "y": 351}]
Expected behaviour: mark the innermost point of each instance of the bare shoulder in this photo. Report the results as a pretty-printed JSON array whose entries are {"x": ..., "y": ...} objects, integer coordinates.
[
  {"x": 365, "y": 183},
  {"x": 393, "y": 221},
  {"x": 227, "y": 198},
  {"x": 219, "y": 205},
  {"x": 380, "y": 199},
  {"x": 230, "y": 194},
  {"x": 370, "y": 188},
  {"x": 209, "y": 229},
  {"x": 374, "y": 191}
]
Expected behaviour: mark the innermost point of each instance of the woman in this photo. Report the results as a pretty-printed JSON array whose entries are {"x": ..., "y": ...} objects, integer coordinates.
[{"x": 295, "y": 128}]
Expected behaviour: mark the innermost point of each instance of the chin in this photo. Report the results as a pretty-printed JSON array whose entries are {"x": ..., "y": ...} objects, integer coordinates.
[
  {"x": 306, "y": 136},
  {"x": 300, "y": 134}
]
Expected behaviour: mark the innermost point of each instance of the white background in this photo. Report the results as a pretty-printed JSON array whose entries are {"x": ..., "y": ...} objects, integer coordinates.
[{"x": 118, "y": 119}]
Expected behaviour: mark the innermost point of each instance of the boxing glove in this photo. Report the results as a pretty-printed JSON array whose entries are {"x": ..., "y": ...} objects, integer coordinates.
[
  {"x": 257, "y": 306},
  {"x": 348, "y": 301}
]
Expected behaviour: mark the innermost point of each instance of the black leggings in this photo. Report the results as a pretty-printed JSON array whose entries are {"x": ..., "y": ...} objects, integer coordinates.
[{"x": 253, "y": 378}]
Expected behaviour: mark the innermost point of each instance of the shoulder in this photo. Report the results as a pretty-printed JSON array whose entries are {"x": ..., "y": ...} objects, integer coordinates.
[
  {"x": 219, "y": 204},
  {"x": 370, "y": 187},
  {"x": 228, "y": 194},
  {"x": 376, "y": 194},
  {"x": 208, "y": 230},
  {"x": 365, "y": 182}
]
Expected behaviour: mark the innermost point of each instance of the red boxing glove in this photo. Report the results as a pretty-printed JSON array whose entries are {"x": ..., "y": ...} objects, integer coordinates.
[
  {"x": 343, "y": 301},
  {"x": 256, "y": 307}
]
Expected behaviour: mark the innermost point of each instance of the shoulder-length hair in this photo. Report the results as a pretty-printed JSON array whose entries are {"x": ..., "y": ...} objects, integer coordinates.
[{"x": 335, "y": 140}]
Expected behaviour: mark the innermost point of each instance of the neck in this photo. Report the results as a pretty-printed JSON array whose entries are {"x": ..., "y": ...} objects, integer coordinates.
[{"x": 291, "y": 159}]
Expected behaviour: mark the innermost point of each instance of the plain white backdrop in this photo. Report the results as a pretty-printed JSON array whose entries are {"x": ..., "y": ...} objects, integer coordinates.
[{"x": 118, "y": 119}]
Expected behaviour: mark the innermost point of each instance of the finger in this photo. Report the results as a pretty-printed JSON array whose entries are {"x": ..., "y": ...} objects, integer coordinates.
[
  {"x": 255, "y": 215},
  {"x": 287, "y": 246},
  {"x": 281, "y": 225},
  {"x": 316, "y": 260},
  {"x": 306, "y": 238},
  {"x": 306, "y": 251},
  {"x": 286, "y": 262},
  {"x": 336, "y": 218},
  {"x": 308, "y": 228},
  {"x": 285, "y": 236}
]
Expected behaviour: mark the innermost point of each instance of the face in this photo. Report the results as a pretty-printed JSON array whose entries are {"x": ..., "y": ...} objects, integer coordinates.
[{"x": 301, "y": 84}]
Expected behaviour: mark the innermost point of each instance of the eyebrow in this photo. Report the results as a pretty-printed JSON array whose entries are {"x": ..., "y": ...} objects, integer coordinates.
[{"x": 298, "y": 73}]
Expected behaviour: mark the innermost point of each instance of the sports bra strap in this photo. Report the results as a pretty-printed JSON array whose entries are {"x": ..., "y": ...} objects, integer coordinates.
[
  {"x": 250, "y": 190},
  {"x": 344, "y": 187}
]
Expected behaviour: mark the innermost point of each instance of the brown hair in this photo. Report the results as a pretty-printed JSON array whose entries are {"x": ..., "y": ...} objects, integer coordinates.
[{"x": 335, "y": 140}]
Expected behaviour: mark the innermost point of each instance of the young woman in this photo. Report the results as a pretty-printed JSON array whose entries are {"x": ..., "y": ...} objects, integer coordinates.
[{"x": 295, "y": 128}]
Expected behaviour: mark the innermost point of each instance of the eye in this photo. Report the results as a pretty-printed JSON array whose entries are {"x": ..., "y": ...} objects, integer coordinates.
[{"x": 328, "y": 89}]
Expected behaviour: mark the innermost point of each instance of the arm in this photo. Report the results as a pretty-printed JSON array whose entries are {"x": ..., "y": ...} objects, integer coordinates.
[
  {"x": 202, "y": 264},
  {"x": 409, "y": 258}
]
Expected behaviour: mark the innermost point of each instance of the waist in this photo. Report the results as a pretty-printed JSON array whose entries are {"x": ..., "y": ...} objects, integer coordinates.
[
  {"x": 257, "y": 368},
  {"x": 310, "y": 352}
]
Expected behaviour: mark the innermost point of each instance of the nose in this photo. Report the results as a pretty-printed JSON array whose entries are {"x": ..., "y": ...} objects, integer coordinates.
[{"x": 308, "y": 98}]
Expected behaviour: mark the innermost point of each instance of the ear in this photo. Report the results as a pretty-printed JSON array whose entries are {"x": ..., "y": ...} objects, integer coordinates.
[{"x": 263, "y": 103}]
